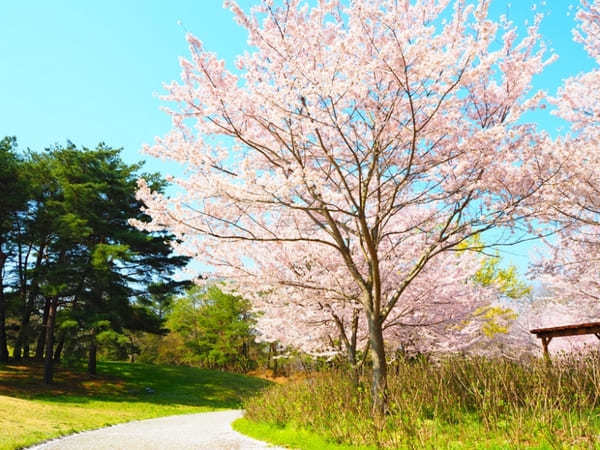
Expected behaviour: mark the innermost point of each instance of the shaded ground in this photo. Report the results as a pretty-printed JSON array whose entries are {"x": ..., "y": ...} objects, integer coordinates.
[
  {"x": 165, "y": 385},
  {"x": 26, "y": 381}
]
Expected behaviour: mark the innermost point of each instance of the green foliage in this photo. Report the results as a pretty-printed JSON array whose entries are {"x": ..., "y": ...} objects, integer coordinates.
[
  {"x": 495, "y": 318},
  {"x": 208, "y": 328},
  {"x": 116, "y": 346},
  {"x": 450, "y": 403},
  {"x": 491, "y": 273},
  {"x": 104, "y": 255},
  {"x": 506, "y": 279},
  {"x": 14, "y": 186},
  {"x": 13, "y": 201}
]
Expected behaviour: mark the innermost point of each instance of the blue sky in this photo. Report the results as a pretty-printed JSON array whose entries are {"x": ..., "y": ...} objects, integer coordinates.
[{"x": 89, "y": 71}]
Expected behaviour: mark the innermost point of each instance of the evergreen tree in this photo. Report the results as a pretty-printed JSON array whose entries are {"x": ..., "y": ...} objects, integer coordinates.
[
  {"x": 77, "y": 261},
  {"x": 12, "y": 202}
]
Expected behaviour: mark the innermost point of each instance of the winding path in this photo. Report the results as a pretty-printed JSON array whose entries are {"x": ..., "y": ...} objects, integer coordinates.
[{"x": 210, "y": 430}]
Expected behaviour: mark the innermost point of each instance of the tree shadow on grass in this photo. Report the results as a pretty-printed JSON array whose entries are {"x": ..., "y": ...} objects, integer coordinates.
[{"x": 124, "y": 382}]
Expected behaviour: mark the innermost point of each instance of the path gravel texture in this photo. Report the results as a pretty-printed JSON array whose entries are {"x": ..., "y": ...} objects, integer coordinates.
[{"x": 192, "y": 431}]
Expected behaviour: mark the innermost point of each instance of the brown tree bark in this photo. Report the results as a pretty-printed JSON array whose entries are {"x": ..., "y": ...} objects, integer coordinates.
[
  {"x": 29, "y": 291},
  {"x": 41, "y": 341},
  {"x": 350, "y": 344},
  {"x": 379, "y": 387},
  {"x": 91, "y": 368},
  {"x": 59, "y": 348},
  {"x": 272, "y": 355},
  {"x": 3, "y": 343},
  {"x": 49, "y": 356},
  {"x": 352, "y": 350}
]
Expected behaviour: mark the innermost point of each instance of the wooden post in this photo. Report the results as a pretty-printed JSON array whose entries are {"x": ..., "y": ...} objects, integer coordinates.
[{"x": 545, "y": 341}]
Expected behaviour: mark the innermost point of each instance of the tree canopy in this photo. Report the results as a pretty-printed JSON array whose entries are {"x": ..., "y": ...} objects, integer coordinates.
[{"x": 76, "y": 263}]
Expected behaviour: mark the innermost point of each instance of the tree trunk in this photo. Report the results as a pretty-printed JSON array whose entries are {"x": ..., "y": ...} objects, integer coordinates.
[
  {"x": 39, "y": 350},
  {"x": 23, "y": 335},
  {"x": 22, "y": 343},
  {"x": 351, "y": 355},
  {"x": 29, "y": 295},
  {"x": 132, "y": 354},
  {"x": 49, "y": 358},
  {"x": 379, "y": 388},
  {"x": 273, "y": 352},
  {"x": 92, "y": 355},
  {"x": 59, "y": 348},
  {"x": 352, "y": 348},
  {"x": 17, "y": 352},
  {"x": 3, "y": 344},
  {"x": 349, "y": 343}
]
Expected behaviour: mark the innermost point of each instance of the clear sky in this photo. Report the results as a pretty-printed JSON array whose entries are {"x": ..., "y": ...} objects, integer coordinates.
[{"x": 88, "y": 71}]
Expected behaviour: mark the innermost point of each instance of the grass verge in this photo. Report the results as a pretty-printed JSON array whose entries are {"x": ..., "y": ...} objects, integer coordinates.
[
  {"x": 289, "y": 436},
  {"x": 33, "y": 412}
]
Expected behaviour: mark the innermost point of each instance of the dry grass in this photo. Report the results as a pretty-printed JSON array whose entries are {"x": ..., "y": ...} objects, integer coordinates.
[
  {"x": 267, "y": 374},
  {"x": 456, "y": 403}
]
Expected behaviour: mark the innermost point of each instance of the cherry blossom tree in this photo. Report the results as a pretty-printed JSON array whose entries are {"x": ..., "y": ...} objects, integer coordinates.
[
  {"x": 355, "y": 129},
  {"x": 570, "y": 266},
  {"x": 575, "y": 194},
  {"x": 569, "y": 270},
  {"x": 305, "y": 301}
]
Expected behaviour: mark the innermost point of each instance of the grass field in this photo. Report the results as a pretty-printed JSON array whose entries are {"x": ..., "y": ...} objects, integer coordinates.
[{"x": 32, "y": 412}]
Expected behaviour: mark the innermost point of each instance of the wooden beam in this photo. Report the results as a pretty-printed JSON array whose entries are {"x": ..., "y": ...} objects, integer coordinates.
[{"x": 566, "y": 332}]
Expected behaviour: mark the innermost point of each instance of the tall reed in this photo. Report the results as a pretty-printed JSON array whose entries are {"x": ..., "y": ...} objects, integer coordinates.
[{"x": 447, "y": 401}]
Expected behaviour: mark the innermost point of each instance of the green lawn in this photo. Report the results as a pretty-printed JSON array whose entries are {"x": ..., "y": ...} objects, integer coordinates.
[
  {"x": 290, "y": 436},
  {"x": 32, "y": 412}
]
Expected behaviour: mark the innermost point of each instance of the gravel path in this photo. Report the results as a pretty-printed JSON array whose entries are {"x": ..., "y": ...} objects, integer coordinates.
[{"x": 192, "y": 431}]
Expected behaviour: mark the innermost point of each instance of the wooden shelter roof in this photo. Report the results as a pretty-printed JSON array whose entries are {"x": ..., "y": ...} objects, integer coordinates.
[{"x": 589, "y": 327}]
